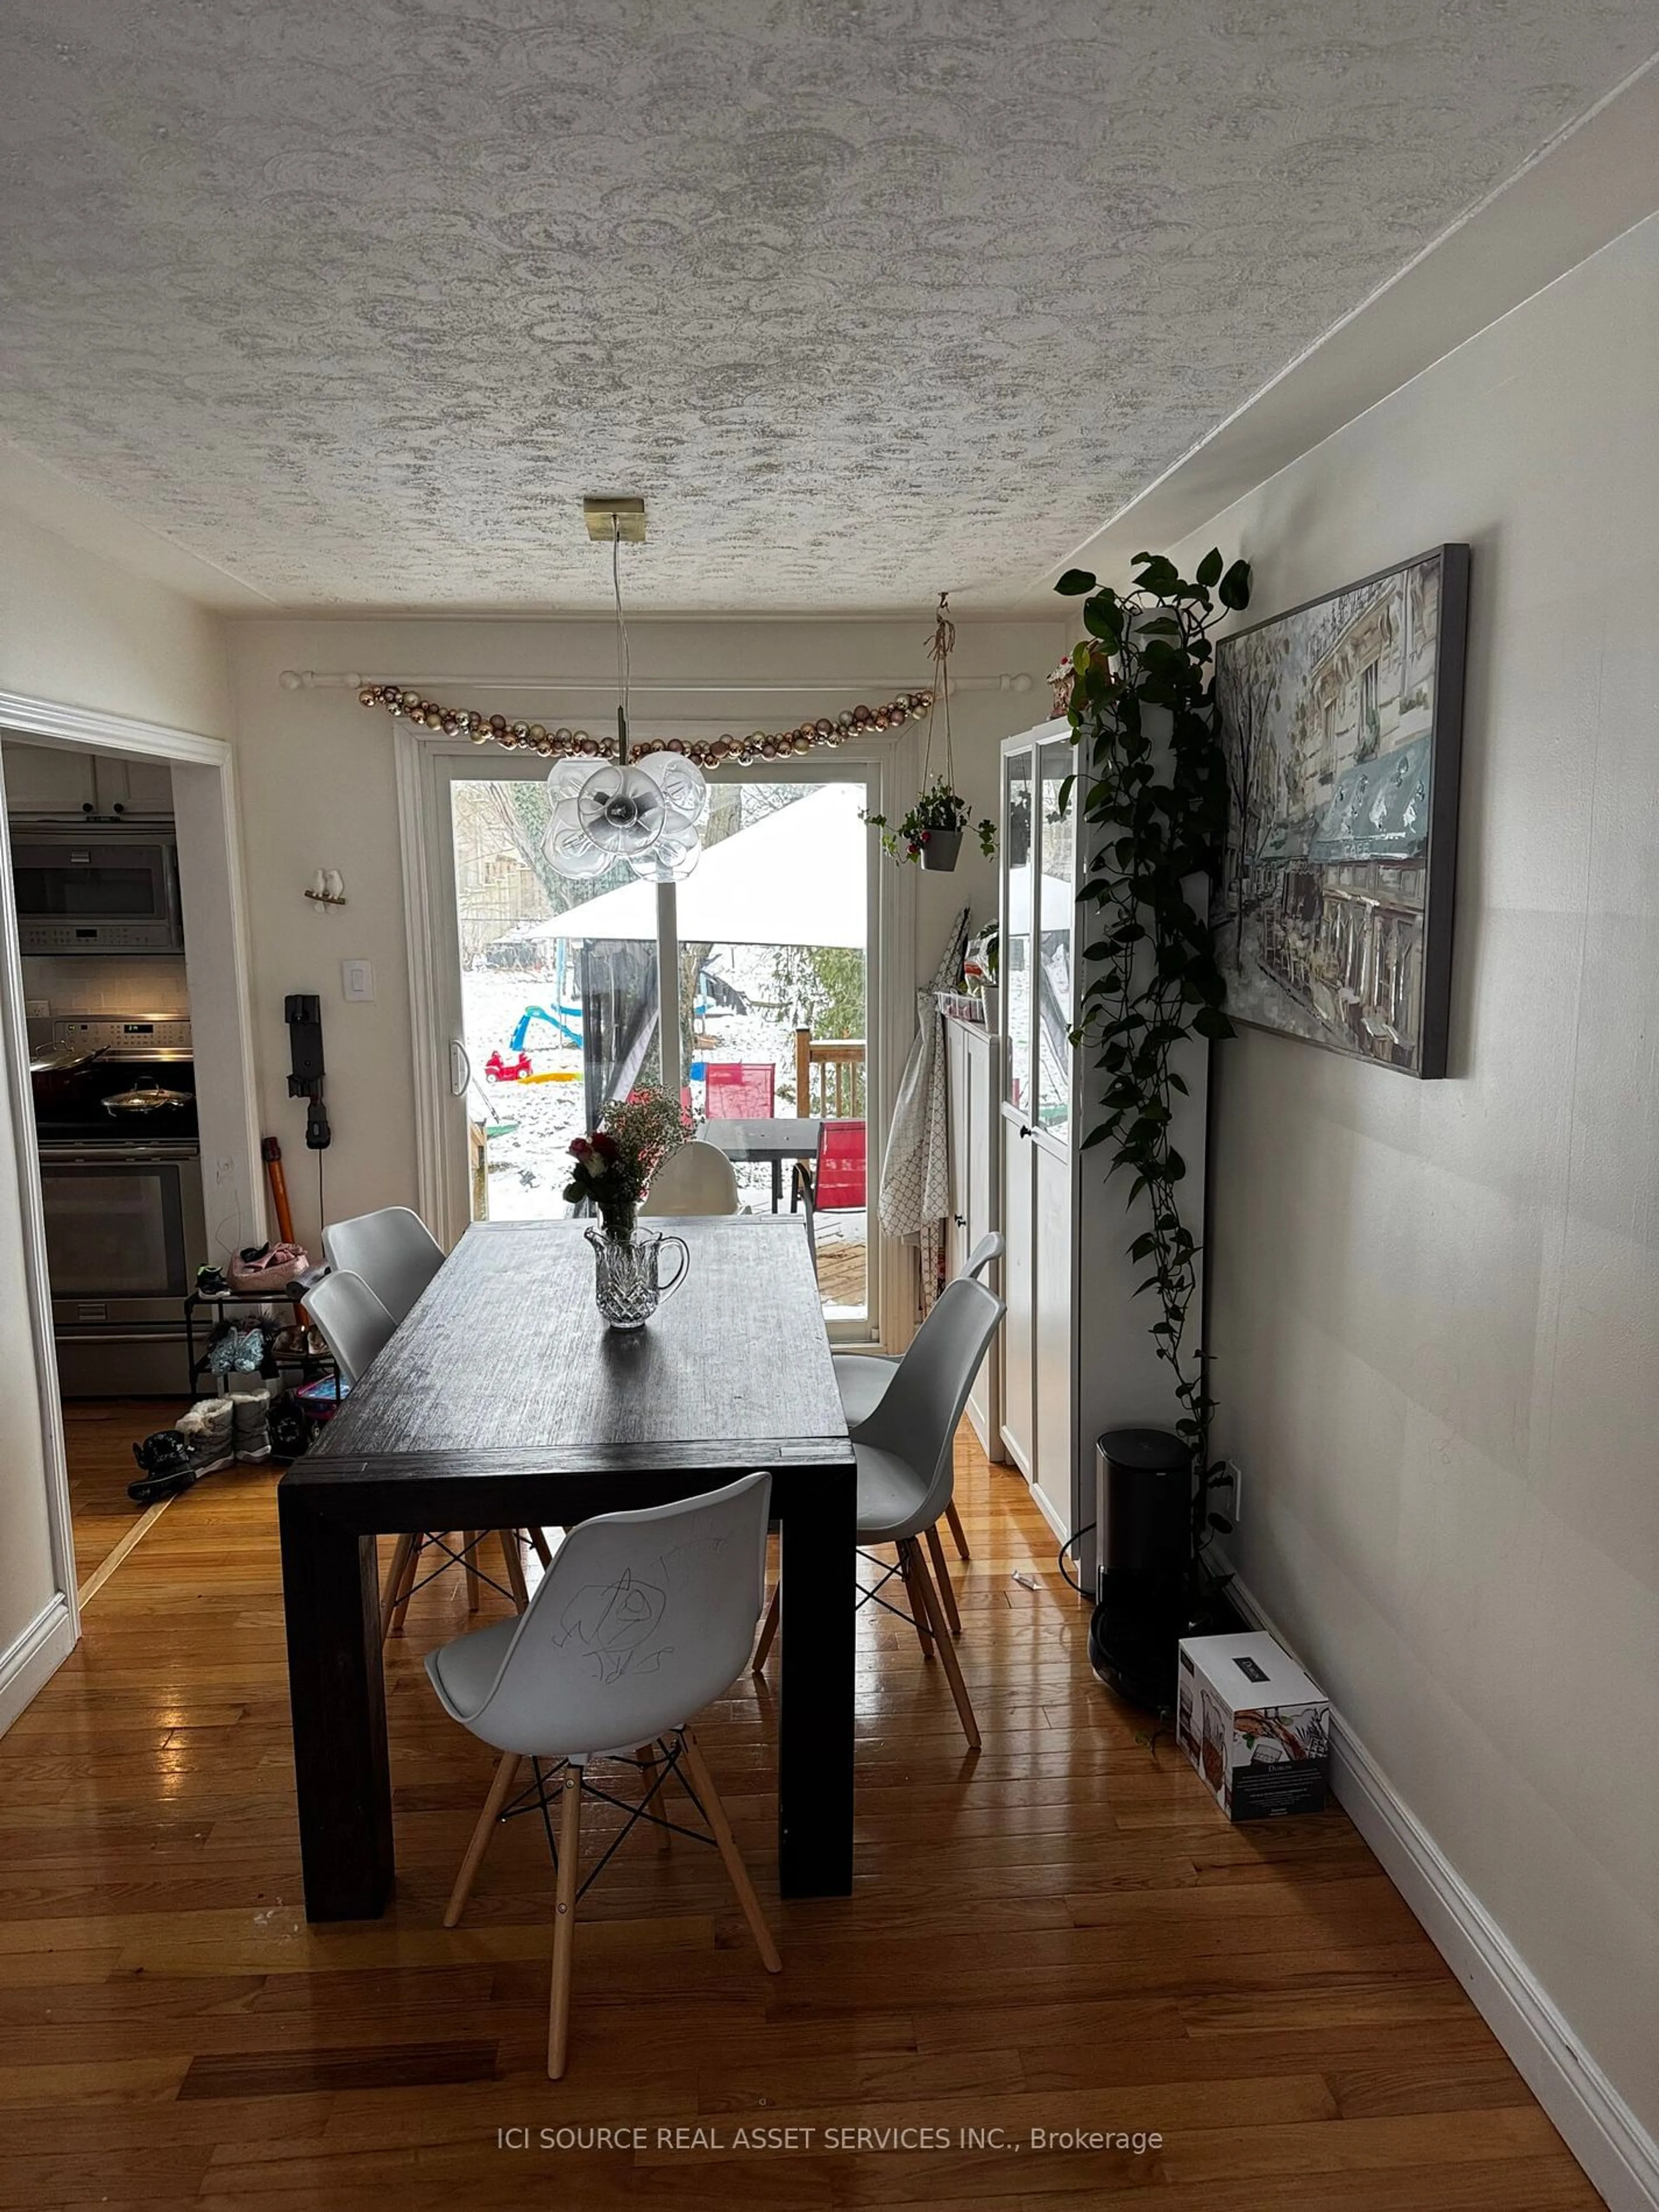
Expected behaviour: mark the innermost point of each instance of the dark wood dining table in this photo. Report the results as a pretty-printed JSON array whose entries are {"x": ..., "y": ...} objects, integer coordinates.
[{"x": 503, "y": 1402}]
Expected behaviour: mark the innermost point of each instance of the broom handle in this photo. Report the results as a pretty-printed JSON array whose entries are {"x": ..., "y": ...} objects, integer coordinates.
[{"x": 271, "y": 1152}]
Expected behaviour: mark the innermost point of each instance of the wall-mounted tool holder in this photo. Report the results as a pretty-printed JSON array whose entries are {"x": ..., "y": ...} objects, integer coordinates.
[{"x": 303, "y": 1013}]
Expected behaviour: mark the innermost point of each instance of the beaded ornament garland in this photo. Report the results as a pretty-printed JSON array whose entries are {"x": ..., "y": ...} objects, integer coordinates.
[{"x": 568, "y": 744}]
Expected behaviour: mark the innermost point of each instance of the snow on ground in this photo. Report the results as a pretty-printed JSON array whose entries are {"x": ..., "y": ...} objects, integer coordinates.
[{"x": 532, "y": 1124}]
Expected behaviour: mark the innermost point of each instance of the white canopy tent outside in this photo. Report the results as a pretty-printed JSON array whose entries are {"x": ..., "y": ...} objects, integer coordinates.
[{"x": 797, "y": 876}]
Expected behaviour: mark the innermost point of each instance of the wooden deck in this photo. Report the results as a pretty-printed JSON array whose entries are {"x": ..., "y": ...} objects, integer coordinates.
[
  {"x": 842, "y": 1274},
  {"x": 1061, "y": 1934}
]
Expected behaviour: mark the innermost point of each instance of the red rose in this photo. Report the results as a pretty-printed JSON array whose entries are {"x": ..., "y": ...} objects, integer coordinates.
[{"x": 605, "y": 1145}]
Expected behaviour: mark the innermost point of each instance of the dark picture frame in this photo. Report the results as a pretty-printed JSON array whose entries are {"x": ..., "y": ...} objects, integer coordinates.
[{"x": 1341, "y": 721}]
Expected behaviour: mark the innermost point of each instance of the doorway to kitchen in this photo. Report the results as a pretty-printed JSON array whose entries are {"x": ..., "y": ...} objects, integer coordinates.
[
  {"x": 550, "y": 992},
  {"x": 129, "y": 1091}
]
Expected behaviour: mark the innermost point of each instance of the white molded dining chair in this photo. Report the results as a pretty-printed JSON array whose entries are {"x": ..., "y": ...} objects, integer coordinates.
[
  {"x": 862, "y": 1379},
  {"x": 357, "y": 1327},
  {"x": 644, "y": 1617},
  {"x": 355, "y": 1323},
  {"x": 905, "y": 1468},
  {"x": 393, "y": 1249},
  {"x": 694, "y": 1178},
  {"x": 906, "y": 1462}
]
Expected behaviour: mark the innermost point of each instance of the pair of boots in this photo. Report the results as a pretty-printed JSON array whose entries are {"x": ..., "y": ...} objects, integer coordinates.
[
  {"x": 221, "y": 1430},
  {"x": 211, "y": 1434}
]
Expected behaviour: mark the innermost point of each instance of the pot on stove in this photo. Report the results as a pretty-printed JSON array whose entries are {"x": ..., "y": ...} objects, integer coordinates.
[{"x": 145, "y": 1098}]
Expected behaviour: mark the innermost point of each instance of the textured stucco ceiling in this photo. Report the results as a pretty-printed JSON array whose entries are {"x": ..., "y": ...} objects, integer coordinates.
[{"x": 355, "y": 298}]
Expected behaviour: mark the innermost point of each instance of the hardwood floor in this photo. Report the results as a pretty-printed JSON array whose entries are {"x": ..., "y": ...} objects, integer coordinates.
[
  {"x": 1061, "y": 1934},
  {"x": 98, "y": 1434}
]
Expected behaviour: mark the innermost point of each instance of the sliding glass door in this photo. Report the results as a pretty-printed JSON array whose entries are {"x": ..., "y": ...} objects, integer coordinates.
[{"x": 558, "y": 996}]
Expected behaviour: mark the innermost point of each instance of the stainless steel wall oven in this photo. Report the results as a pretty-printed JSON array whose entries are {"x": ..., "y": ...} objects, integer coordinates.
[{"x": 120, "y": 1175}]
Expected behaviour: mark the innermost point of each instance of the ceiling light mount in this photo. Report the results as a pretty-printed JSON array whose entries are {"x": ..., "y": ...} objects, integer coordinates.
[{"x": 614, "y": 518}]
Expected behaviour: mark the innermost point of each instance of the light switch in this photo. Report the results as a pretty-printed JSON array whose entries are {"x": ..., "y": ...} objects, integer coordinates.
[{"x": 357, "y": 979}]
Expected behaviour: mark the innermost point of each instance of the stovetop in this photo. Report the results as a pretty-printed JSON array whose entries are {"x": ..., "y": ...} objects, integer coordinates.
[
  {"x": 123, "y": 1055},
  {"x": 128, "y": 1037}
]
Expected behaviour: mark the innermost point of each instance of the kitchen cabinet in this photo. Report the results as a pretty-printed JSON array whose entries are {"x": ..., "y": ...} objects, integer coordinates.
[
  {"x": 1076, "y": 1355},
  {"x": 46, "y": 780}
]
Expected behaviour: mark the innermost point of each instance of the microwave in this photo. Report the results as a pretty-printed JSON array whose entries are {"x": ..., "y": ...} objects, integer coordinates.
[{"x": 95, "y": 888}]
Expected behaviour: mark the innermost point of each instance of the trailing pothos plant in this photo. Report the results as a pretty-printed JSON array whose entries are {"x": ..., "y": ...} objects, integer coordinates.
[{"x": 1153, "y": 784}]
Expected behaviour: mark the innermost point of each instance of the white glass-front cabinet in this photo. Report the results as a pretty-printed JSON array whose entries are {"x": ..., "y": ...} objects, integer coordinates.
[
  {"x": 1076, "y": 1355},
  {"x": 973, "y": 1060}
]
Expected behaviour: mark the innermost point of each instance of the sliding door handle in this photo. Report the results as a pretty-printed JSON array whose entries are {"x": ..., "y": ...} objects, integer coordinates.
[{"x": 460, "y": 1069}]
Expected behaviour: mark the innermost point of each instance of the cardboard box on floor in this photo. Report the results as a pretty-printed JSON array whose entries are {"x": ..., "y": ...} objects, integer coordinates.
[{"x": 1256, "y": 1727}]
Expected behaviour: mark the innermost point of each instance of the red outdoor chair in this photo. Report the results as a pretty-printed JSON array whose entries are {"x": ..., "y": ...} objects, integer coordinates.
[
  {"x": 739, "y": 1090},
  {"x": 836, "y": 1184}
]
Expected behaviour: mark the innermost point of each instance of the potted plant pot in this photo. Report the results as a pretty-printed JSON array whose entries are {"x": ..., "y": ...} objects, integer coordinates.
[{"x": 941, "y": 850}]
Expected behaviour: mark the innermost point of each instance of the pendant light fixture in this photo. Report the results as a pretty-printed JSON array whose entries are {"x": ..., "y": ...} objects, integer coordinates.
[{"x": 645, "y": 812}]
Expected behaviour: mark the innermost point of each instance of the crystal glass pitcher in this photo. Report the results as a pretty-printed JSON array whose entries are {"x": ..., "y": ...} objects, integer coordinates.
[{"x": 628, "y": 1284}]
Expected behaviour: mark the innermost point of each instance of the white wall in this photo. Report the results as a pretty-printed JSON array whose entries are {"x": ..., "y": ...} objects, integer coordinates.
[
  {"x": 317, "y": 783},
  {"x": 86, "y": 633},
  {"x": 75, "y": 630},
  {"x": 1436, "y": 1306},
  {"x": 35, "y": 1630}
]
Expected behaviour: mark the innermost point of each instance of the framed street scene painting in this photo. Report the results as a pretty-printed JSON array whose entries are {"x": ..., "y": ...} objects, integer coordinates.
[{"x": 1342, "y": 724}]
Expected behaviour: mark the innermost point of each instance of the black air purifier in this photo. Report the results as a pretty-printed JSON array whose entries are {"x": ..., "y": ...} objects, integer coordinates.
[{"x": 1144, "y": 1533}]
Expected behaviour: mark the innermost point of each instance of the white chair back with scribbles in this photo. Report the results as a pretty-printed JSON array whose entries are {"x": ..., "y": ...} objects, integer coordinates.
[
  {"x": 642, "y": 1619},
  {"x": 393, "y": 1249}
]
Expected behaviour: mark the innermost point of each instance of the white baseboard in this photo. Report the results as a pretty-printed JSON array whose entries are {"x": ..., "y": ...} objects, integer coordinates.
[
  {"x": 1045, "y": 1508},
  {"x": 34, "y": 1658},
  {"x": 1603, "y": 2134}
]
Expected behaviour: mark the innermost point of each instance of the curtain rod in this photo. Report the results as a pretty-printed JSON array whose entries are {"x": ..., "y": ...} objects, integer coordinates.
[{"x": 311, "y": 679}]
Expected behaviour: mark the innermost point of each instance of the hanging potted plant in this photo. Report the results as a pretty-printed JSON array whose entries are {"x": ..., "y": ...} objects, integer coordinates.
[{"x": 932, "y": 831}]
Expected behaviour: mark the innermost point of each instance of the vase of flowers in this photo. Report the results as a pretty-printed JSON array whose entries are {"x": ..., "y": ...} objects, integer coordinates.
[
  {"x": 628, "y": 1285},
  {"x": 612, "y": 1171},
  {"x": 932, "y": 831}
]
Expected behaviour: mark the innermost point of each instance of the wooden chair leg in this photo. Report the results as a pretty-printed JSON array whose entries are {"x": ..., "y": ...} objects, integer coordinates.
[
  {"x": 922, "y": 1583},
  {"x": 500, "y": 1790},
  {"x": 539, "y": 1543},
  {"x": 514, "y": 1561},
  {"x": 564, "y": 1922},
  {"x": 714, "y": 1812},
  {"x": 920, "y": 1614},
  {"x": 956, "y": 1533},
  {"x": 768, "y": 1632},
  {"x": 393, "y": 1587},
  {"x": 470, "y": 1553},
  {"x": 411, "y": 1575},
  {"x": 942, "y": 1582}
]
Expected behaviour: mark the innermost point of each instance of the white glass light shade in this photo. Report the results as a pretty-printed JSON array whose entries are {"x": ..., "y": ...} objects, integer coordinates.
[{"x": 645, "y": 812}]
